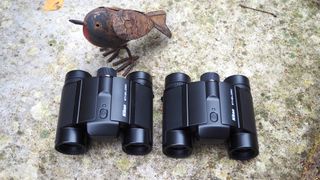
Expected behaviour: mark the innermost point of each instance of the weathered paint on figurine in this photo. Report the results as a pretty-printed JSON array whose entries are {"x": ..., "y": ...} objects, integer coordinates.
[{"x": 113, "y": 28}]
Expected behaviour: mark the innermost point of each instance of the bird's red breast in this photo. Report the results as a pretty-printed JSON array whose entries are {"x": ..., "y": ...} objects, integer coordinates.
[{"x": 86, "y": 33}]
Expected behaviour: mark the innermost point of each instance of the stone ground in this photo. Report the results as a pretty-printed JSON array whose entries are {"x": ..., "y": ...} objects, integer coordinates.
[{"x": 281, "y": 56}]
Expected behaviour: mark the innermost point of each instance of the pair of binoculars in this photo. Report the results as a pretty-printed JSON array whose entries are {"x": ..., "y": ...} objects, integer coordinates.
[
  {"x": 105, "y": 106},
  {"x": 207, "y": 111}
]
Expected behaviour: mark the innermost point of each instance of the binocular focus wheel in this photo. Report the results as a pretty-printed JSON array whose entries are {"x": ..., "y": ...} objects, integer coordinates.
[
  {"x": 178, "y": 144},
  {"x": 243, "y": 146},
  {"x": 136, "y": 141},
  {"x": 77, "y": 74},
  {"x": 105, "y": 71},
  {"x": 71, "y": 141},
  {"x": 238, "y": 80},
  {"x": 210, "y": 76}
]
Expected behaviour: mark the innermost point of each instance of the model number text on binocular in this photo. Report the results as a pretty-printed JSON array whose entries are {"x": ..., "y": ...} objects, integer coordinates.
[
  {"x": 105, "y": 106},
  {"x": 208, "y": 111}
]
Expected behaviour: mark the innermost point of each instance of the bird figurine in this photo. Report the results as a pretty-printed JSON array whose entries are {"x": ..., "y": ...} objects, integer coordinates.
[{"x": 112, "y": 28}]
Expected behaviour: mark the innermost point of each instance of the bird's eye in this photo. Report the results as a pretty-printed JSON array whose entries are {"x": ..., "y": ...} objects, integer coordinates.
[{"x": 97, "y": 25}]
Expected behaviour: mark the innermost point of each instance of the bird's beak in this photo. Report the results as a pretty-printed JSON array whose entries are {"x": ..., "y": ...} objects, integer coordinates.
[{"x": 78, "y": 22}]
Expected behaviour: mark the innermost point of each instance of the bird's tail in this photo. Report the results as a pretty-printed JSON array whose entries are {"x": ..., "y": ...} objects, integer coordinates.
[{"x": 159, "y": 20}]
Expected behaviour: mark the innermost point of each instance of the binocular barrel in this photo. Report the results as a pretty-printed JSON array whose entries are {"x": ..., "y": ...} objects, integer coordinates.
[
  {"x": 177, "y": 140},
  {"x": 243, "y": 141},
  {"x": 137, "y": 139},
  {"x": 70, "y": 136},
  {"x": 105, "y": 106},
  {"x": 208, "y": 111}
]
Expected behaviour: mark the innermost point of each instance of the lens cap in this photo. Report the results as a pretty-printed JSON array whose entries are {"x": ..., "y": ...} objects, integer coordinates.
[{"x": 105, "y": 71}]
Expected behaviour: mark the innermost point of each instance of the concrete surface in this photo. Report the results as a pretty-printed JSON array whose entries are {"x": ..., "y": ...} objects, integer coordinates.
[{"x": 281, "y": 56}]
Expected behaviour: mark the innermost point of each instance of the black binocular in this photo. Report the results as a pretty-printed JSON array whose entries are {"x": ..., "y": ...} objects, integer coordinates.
[
  {"x": 210, "y": 112},
  {"x": 207, "y": 111},
  {"x": 105, "y": 106}
]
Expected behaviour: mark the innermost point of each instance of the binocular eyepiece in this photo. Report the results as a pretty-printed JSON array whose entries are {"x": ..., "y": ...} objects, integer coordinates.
[
  {"x": 208, "y": 111},
  {"x": 105, "y": 106}
]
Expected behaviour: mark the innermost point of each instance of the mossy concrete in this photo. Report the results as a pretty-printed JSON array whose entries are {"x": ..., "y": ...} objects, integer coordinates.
[{"x": 281, "y": 56}]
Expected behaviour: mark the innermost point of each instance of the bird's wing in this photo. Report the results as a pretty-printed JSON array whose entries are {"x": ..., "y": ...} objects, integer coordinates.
[
  {"x": 130, "y": 24},
  {"x": 114, "y": 8}
]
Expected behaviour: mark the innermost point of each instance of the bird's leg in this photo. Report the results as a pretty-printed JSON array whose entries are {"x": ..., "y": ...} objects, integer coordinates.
[
  {"x": 114, "y": 55},
  {"x": 115, "y": 52},
  {"x": 103, "y": 49},
  {"x": 127, "y": 63},
  {"x": 107, "y": 53}
]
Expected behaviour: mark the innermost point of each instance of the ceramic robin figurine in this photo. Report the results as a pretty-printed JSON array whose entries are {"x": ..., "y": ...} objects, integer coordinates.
[{"x": 112, "y": 28}]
